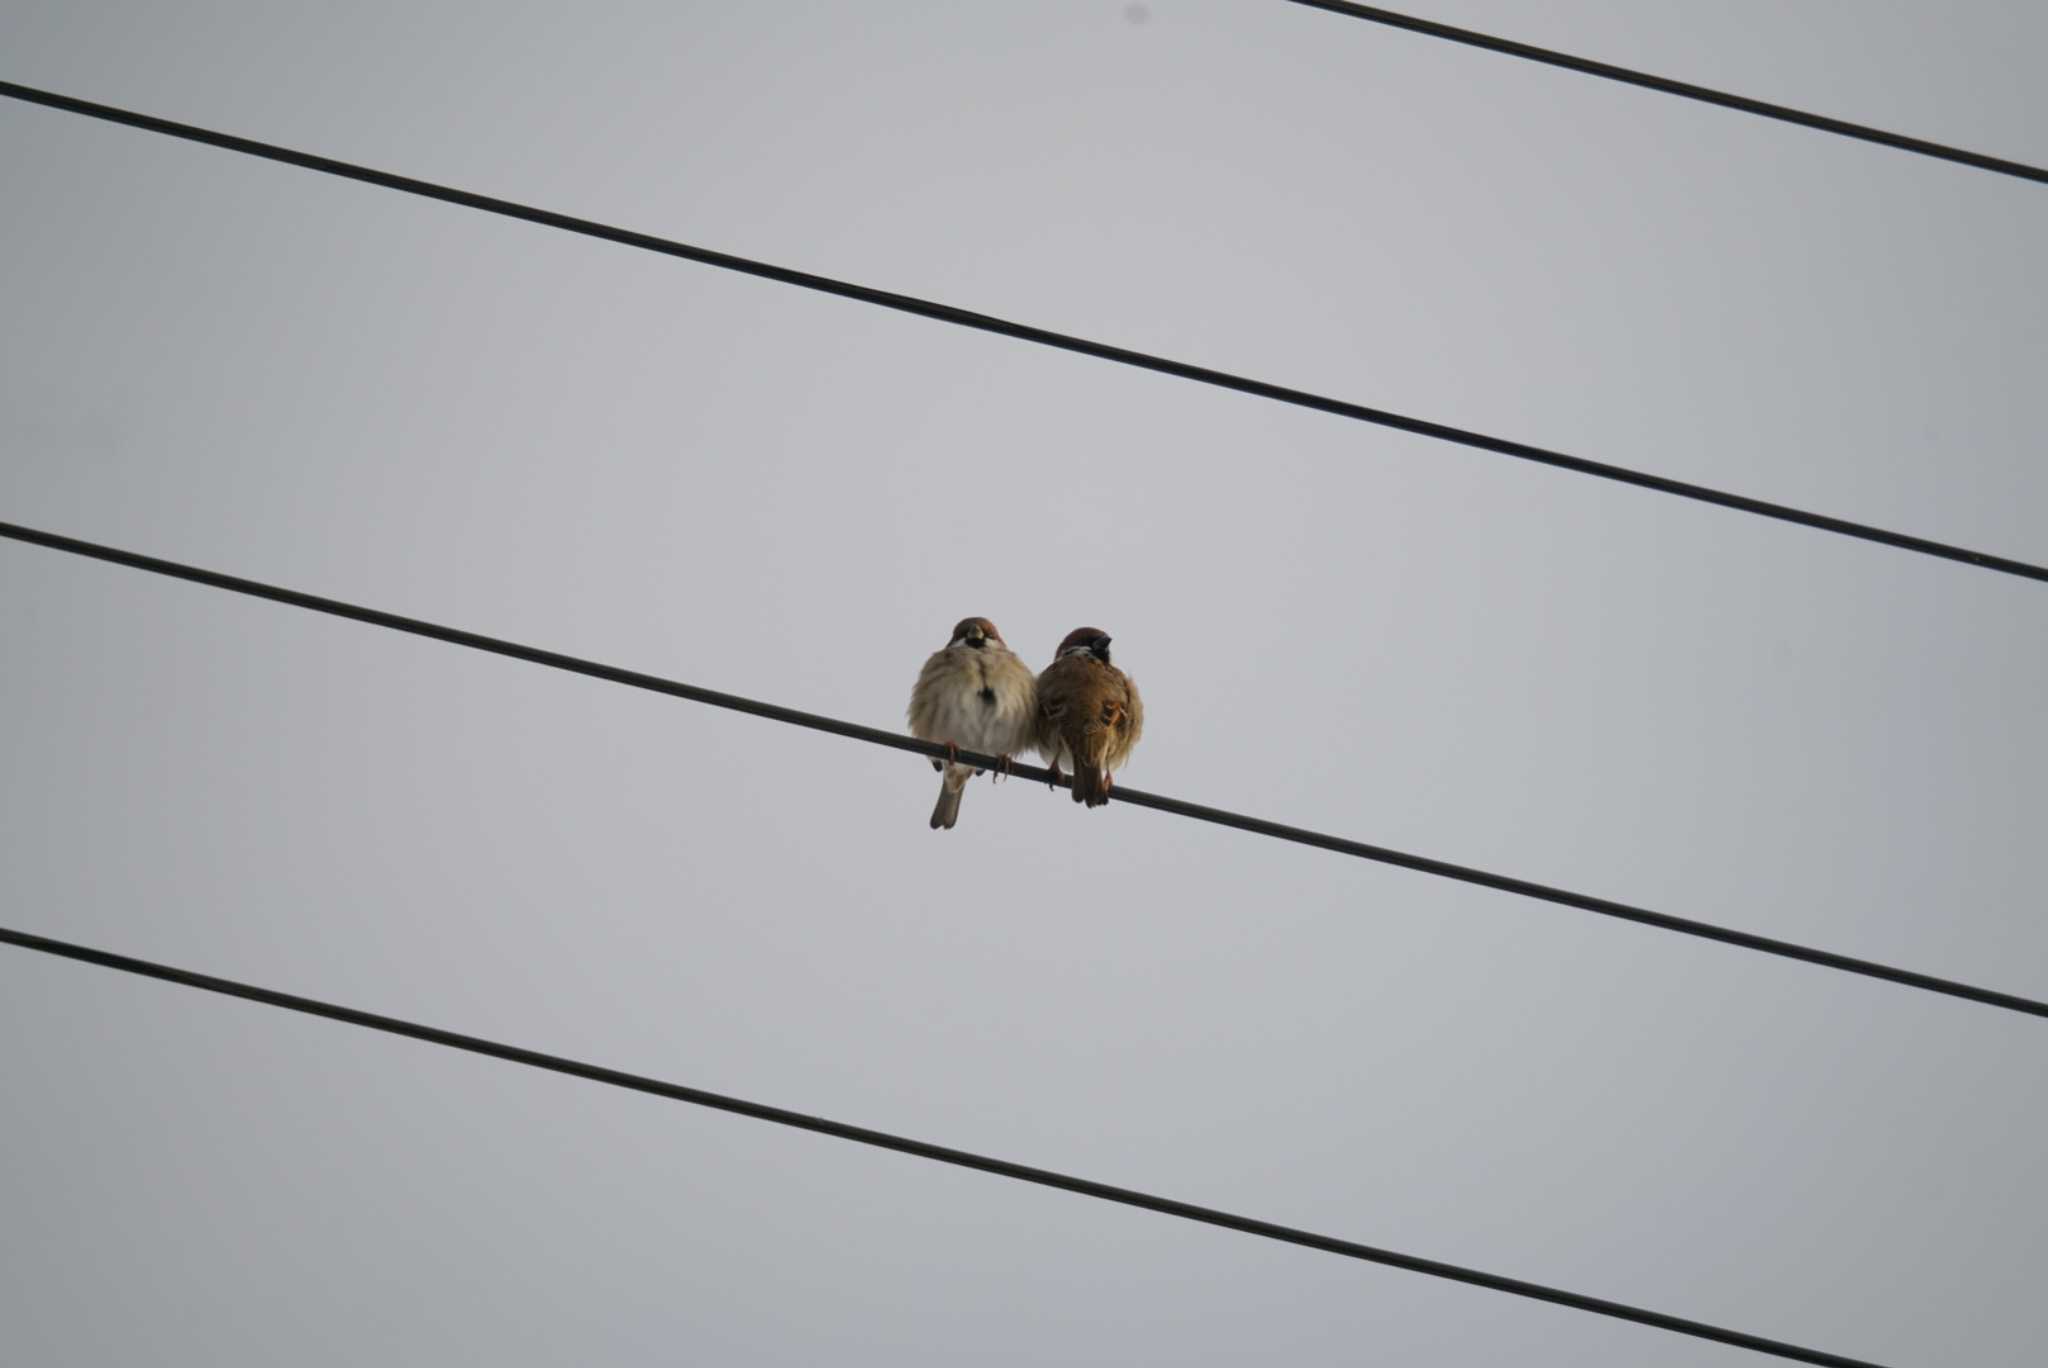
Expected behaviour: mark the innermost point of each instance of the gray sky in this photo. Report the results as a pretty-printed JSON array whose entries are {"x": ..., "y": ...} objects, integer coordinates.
[{"x": 775, "y": 493}]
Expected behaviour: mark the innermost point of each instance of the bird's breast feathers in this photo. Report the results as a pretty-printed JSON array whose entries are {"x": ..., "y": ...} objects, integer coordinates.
[{"x": 980, "y": 699}]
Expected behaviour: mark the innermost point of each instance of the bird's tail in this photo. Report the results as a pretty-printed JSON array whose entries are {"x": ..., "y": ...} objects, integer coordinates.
[
  {"x": 947, "y": 811},
  {"x": 1091, "y": 777}
]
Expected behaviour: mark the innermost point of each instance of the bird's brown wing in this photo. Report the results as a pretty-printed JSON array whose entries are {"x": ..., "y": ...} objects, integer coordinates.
[
  {"x": 1130, "y": 722},
  {"x": 1055, "y": 690},
  {"x": 940, "y": 673}
]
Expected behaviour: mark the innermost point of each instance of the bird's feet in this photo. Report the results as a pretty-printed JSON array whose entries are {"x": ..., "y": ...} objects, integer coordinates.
[{"x": 1053, "y": 783}]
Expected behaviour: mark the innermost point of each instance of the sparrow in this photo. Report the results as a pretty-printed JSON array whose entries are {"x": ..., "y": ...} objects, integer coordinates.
[
  {"x": 1089, "y": 714},
  {"x": 973, "y": 692}
]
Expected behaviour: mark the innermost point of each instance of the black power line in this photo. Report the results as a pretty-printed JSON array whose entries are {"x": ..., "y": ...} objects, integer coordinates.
[
  {"x": 948, "y": 313},
  {"x": 1586, "y": 65},
  {"x": 1004, "y": 1168},
  {"x": 1136, "y": 797}
]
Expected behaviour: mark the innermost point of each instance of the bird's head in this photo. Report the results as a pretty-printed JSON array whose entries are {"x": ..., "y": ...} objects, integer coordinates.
[
  {"x": 976, "y": 633},
  {"x": 1089, "y": 641}
]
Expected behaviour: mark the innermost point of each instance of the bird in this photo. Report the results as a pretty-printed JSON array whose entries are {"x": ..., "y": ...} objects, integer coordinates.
[
  {"x": 1089, "y": 714},
  {"x": 972, "y": 692}
]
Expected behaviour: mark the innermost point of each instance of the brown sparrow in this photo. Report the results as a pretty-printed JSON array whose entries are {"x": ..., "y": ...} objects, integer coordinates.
[
  {"x": 1089, "y": 713},
  {"x": 973, "y": 693}
]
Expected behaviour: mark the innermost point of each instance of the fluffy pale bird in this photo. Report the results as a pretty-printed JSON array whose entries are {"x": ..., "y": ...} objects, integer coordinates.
[
  {"x": 975, "y": 694},
  {"x": 1089, "y": 714}
]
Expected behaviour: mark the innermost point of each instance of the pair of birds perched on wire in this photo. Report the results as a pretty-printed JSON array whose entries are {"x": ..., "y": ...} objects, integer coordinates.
[{"x": 975, "y": 693}]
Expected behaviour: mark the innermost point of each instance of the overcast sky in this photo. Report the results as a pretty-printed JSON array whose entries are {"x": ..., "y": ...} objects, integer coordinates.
[{"x": 775, "y": 493}]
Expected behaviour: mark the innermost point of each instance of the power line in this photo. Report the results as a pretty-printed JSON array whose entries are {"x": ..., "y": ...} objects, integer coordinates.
[
  {"x": 922, "y": 1149},
  {"x": 1586, "y": 65},
  {"x": 1025, "y": 332},
  {"x": 1136, "y": 797}
]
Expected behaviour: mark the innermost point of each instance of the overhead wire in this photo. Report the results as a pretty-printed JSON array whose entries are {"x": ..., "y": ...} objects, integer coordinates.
[
  {"x": 1025, "y": 332},
  {"x": 1121, "y": 793},
  {"x": 922, "y": 1149},
  {"x": 1685, "y": 89}
]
